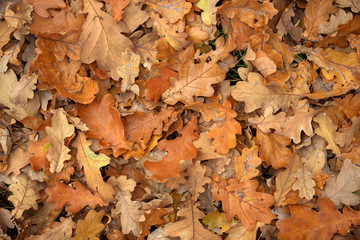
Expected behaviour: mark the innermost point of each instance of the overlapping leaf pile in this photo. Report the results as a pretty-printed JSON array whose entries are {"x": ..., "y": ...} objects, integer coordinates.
[{"x": 179, "y": 119}]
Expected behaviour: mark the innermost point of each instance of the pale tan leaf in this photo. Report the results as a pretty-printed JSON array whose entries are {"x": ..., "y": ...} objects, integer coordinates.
[
  {"x": 304, "y": 183},
  {"x": 128, "y": 69}
]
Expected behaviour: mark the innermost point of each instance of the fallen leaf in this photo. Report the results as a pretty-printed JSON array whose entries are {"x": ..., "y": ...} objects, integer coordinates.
[
  {"x": 56, "y": 230},
  {"x": 242, "y": 200},
  {"x": 23, "y": 89},
  {"x": 118, "y": 7},
  {"x": 304, "y": 183},
  {"x": 41, "y": 6},
  {"x": 224, "y": 134},
  {"x": 90, "y": 227},
  {"x": 173, "y": 10},
  {"x": 245, "y": 165},
  {"x": 128, "y": 69}
]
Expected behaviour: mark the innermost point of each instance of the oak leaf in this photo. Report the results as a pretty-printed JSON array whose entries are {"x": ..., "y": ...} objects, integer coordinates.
[
  {"x": 245, "y": 165},
  {"x": 340, "y": 190},
  {"x": 40, "y": 149},
  {"x": 209, "y": 111},
  {"x": 241, "y": 199},
  {"x": 253, "y": 13},
  {"x": 354, "y": 41},
  {"x": 273, "y": 150},
  {"x": 56, "y": 230},
  {"x": 327, "y": 130},
  {"x": 129, "y": 210},
  {"x": 153, "y": 218},
  {"x": 101, "y": 38},
  {"x": 173, "y": 10},
  {"x": 179, "y": 149},
  {"x": 41, "y": 6},
  {"x": 25, "y": 192},
  {"x": 128, "y": 69},
  {"x": 18, "y": 159},
  {"x": 156, "y": 86},
  {"x": 188, "y": 226},
  {"x": 286, "y": 179},
  {"x": 90, "y": 227},
  {"x": 317, "y": 12},
  {"x": 268, "y": 121},
  {"x": 256, "y": 95},
  {"x": 76, "y": 198},
  {"x": 224, "y": 134},
  {"x": 306, "y": 223},
  {"x": 239, "y": 232},
  {"x": 304, "y": 183},
  {"x": 216, "y": 220},
  {"x": 118, "y": 7},
  {"x": 350, "y": 104},
  {"x": 209, "y": 8},
  {"x": 194, "y": 80},
  {"x": 197, "y": 180},
  {"x": 91, "y": 163},
  {"x": 104, "y": 122},
  {"x": 60, "y": 130},
  {"x": 175, "y": 38},
  {"x": 23, "y": 89}
]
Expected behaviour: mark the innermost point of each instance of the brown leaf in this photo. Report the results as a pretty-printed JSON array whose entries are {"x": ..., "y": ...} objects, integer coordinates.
[
  {"x": 242, "y": 200},
  {"x": 173, "y": 10},
  {"x": 76, "y": 198},
  {"x": 105, "y": 124},
  {"x": 91, "y": 163},
  {"x": 224, "y": 134},
  {"x": 41, "y": 6},
  {"x": 118, "y": 7},
  {"x": 305, "y": 223},
  {"x": 128, "y": 69},
  {"x": 245, "y": 165},
  {"x": 153, "y": 218},
  {"x": 179, "y": 149},
  {"x": 90, "y": 227},
  {"x": 56, "y": 230}
]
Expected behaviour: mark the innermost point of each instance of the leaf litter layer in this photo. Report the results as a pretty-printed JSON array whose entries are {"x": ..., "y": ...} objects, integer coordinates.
[{"x": 179, "y": 119}]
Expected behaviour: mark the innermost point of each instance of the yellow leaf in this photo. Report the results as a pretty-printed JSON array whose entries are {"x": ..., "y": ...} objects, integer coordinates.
[{"x": 90, "y": 227}]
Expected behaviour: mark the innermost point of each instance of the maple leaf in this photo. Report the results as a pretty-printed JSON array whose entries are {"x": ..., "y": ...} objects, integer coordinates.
[
  {"x": 189, "y": 227},
  {"x": 241, "y": 199},
  {"x": 224, "y": 134},
  {"x": 179, "y": 149},
  {"x": 245, "y": 165},
  {"x": 194, "y": 80},
  {"x": 25, "y": 193},
  {"x": 92, "y": 163},
  {"x": 90, "y": 227},
  {"x": 256, "y": 95},
  {"x": 101, "y": 38},
  {"x": 78, "y": 198},
  {"x": 104, "y": 123},
  {"x": 305, "y": 223}
]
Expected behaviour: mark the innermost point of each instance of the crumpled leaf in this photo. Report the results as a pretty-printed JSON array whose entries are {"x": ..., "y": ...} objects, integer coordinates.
[
  {"x": 179, "y": 149},
  {"x": 306, "y": 223},
  {"x": 256, "y": 95},
  {"x": 224, "y": 134},
  {"x": 242, "y": 200},
  {"x": 60, "y": 129},
  {"x": 91, "y": 163},
  {"x": 90, "y": 227},
  {"x": 194, "y": 80},
  {"x": 340, "y": 189},
  {"x": 25, "y": 192},
  {"x": 76, "y": 198},
  {"x": 104, "y": 122},
  {"x": 188, "y": 226}
]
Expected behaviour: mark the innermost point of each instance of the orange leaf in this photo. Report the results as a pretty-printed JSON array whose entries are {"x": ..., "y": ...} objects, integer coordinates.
[
  {"x": 77, "y": 198},
  {"x": 118, "y": 7},
  {"x": 179, "y": 149},
  {"x": 154, "y": 87},
  {"x": 245, "y": 165},
  {"x": 305, "y": 223},
  {"x": 40, "y": 150},
  {"x": 224, "y": 134},
  {"x": 242, "y": 200},
  {"x": 273, "y": 149},
  {"x": 104, "y": 122}
]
